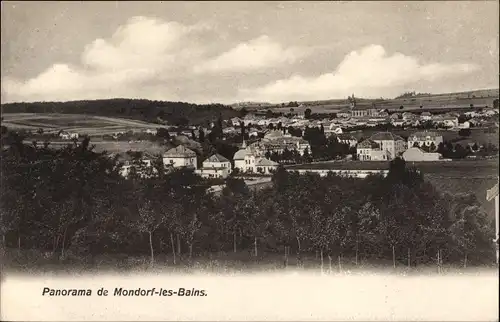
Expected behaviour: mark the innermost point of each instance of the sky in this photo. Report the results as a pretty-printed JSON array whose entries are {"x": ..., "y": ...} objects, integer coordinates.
[{"x": 227, "y": 52}]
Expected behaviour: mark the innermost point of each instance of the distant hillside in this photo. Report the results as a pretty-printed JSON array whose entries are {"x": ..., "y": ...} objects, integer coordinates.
[
  {"x": 146, "y": 110},
  {"x": 478, "y": 98}
]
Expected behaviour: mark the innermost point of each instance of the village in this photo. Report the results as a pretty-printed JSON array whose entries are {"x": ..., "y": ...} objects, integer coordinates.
[{"x": 364, "y": 135}]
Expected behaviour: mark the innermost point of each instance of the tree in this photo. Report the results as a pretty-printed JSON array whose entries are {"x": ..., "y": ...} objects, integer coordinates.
[
  {"x": 464, "y": 132},
  {"x": 201, "y": 135},
  {"x": 163, "y": 133},
  {"x": 307, "y": 113}
]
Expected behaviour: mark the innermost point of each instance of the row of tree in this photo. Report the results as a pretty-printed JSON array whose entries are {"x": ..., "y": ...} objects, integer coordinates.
[{"x": 74, "y": 199}]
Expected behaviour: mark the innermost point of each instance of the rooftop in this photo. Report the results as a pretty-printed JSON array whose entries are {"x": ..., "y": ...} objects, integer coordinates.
[
  {"x": 266, "y": 163},
  {"x": 217, "y": 158},
  {"x": 424, "y": 134},
  {"x": 180, "y": 152},
  {"x": 386, "y": 136},
  {"x": 368, "y": 144}
]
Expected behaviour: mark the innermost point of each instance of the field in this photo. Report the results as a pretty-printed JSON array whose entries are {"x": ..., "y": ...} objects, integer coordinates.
[
  {"x": 479, "y": 98},
  {"x": 80, "y": 123}
]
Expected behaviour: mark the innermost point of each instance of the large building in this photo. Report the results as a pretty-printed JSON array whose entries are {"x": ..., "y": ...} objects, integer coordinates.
[
  {"x": 143, "y": 164},
  {"x": 381, "y": 146},
  {"x": 369, "y": 150},
  {"x": 250, "y": 159},
  {"x": 216, "y": 166},
  {"x": 276, "y": 141},
  {"x": 425, "y": 138},
  {"x": 180, "y": 157}
]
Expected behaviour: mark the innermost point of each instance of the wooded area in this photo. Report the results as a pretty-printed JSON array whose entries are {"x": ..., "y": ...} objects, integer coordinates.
[
  {"x": 72, "y": 202},
  {"x": 175, "y": 113}
]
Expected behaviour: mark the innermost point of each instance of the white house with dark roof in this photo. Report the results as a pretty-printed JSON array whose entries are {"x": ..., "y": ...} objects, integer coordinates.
[
  {"x": 216, "y": 166},
  {"x": 369, "y": 150},
  {"x": 143, "y": 164},
  {"x": 246, "y": 157},
  {"x": 426, "y": 116},
  {"x": 393, "y": 144},
  {"x": 266, "y": 166},
  {"x": 250, "y": 158},
  {"x": 425, "y": 138},
  {"x": 381, "y": 146},
  {"x": 347, "y": 139},
  {"x": 180, "y": 157}
]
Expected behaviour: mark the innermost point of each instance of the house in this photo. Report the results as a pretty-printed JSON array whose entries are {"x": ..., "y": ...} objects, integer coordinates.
[
  {"x": 68, "y": 136},
  {"x": 180, "y": 157},
  {"x": 246, "y": 157},
  {"x": 142, "y": 164},
  {"x": 388, "y": 146},
  {"x": 398, "y": 123},
  {"x": 276, "y": 142},
  {"x": 448, "y": 121},
  {"x": 370, "y": 112},
  {"x": 266, "y": 166},
  {"x": 151, "y": 131},
  {"x": 417, "y": 154},
  {"x": 250, "y": 159},
  {"x": 344, "y": 114},
  {"x": 334, "y": 128},
  {"x": 426, "y": 116},
  {"x": 464, "y": 125},
  {"x": 369, "y": 150},
  {"x": 235, "y": 121},
  {"x": 408, "y": 116},
  {"x": 395, "y": 116},
  {"x": 216, "y": 166},
  {"x": 347, "y": 139},
  {"x": 425, "y": 138}
]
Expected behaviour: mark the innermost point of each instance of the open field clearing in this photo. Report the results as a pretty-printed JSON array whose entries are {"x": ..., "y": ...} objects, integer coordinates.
[
  {"x": 479, "y": 98},
  {"x": 279, "y": 296},
  {"x": 91, "y": 125}
]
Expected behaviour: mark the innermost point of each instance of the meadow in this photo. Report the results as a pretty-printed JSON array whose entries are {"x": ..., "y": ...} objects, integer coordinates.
[
  {"x": 83, "y": 124},
  {"x": 480, "y": 98}
]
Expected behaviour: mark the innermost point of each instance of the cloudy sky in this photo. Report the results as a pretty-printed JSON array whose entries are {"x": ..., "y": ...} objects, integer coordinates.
[{"x": 241, "y": 51}]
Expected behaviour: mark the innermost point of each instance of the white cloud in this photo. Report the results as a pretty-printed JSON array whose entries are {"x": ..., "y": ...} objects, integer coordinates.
[
  {"x": 143, "y": 50},
  {"x": 255, "y": 54},
  {"x": 369, "y": 72}
]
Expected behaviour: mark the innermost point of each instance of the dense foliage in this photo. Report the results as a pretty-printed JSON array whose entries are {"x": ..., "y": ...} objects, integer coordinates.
[
  {"x": 73, "y": 201},
  {"x": 177, "y": 113}
]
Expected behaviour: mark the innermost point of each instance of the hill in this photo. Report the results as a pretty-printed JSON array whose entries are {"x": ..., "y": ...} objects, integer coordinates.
[
  {"x": 458, "y": 100},
  {"x": 161, "y": 112}
]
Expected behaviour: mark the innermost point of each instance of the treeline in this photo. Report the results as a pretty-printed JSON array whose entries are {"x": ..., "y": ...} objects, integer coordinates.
[
  {"x": 177, "y": 113},
  {"x": 73, "y": 202}
]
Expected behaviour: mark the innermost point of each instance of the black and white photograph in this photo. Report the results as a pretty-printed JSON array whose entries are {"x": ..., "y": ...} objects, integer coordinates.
[{"x": 249, "y": 161}]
